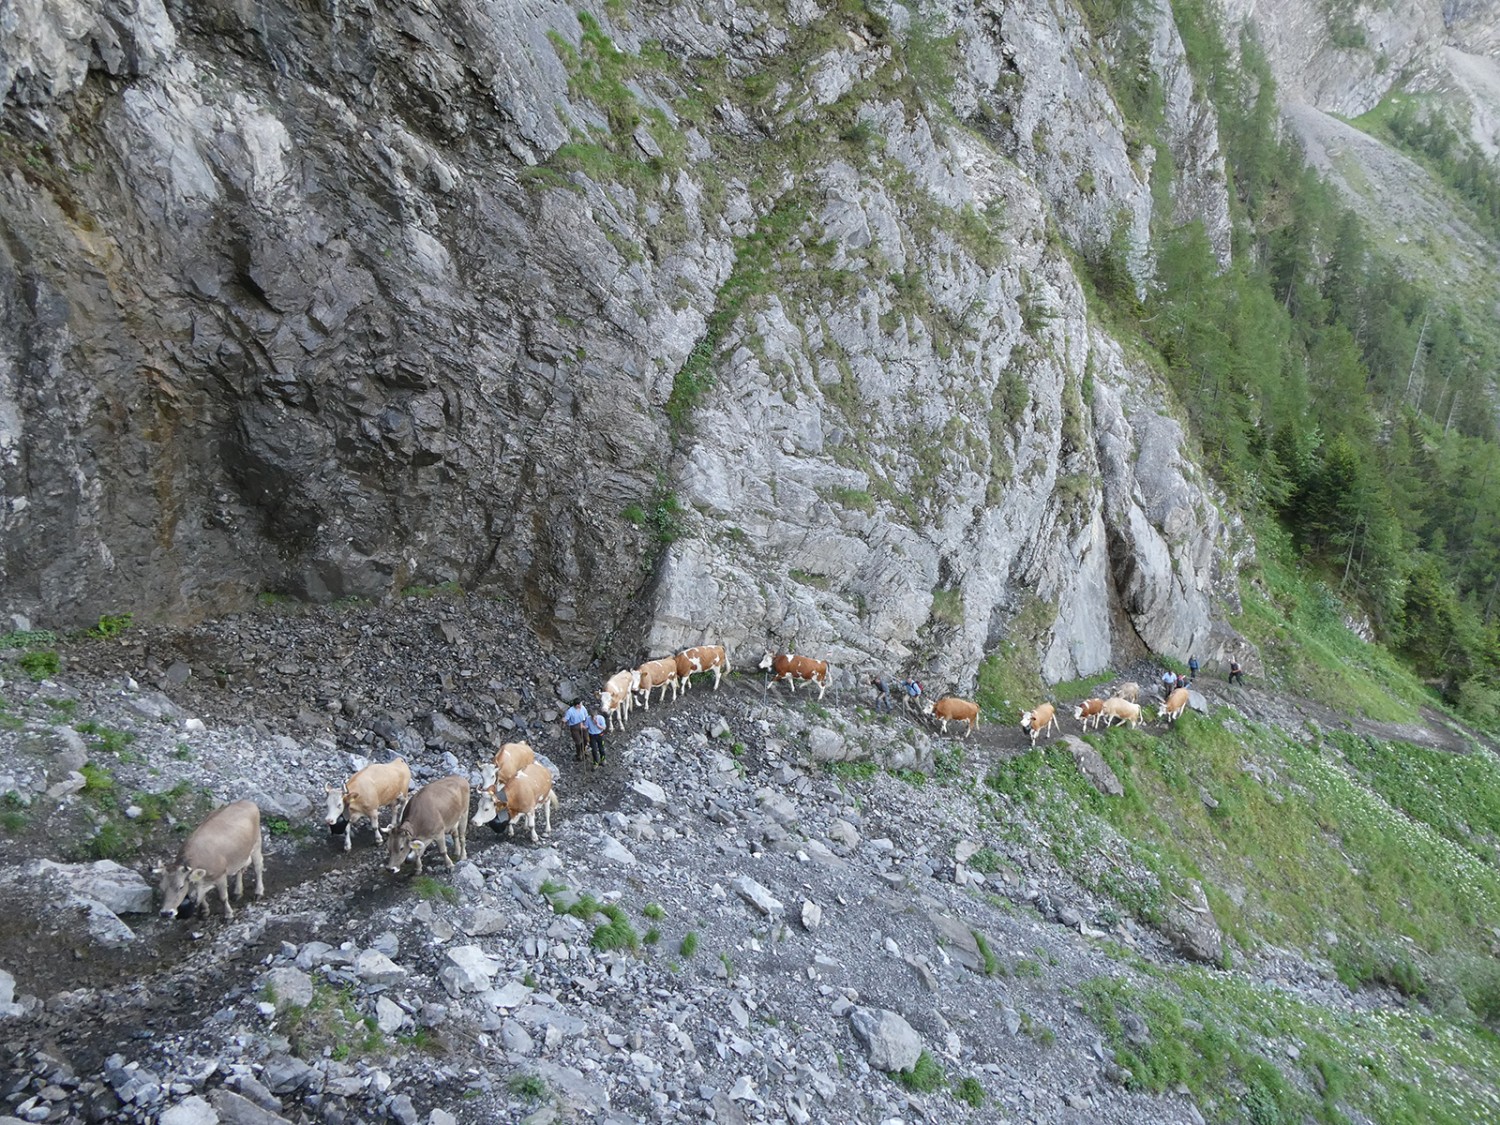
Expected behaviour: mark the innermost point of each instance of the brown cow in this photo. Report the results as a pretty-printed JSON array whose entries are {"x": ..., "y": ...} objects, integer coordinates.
[
  {"x": 1039, "y": 720},
  {"x": 703, "y": 658},
  {"x": 523, "y": 795},
  {"x": 512, "y": 758},
  {"x": 1175, "y": 705},
  {"x": 786, "y": 666},
  {"x": 1121, "y": 709},
  {"x": 365, "y": 794},
  {"x": 227, "y": 842},
  {"x": 617, "y": 696},
  {"x": 657, "y": 673},
  {"x": 953, "y": 709},
  {"x": 438, "y": 809},
  {"x": 1089, "y": 711}
]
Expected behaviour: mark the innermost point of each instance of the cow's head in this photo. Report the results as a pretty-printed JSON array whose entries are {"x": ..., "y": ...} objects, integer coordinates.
[
  {"x": 1078, "y": 712},
  {"x": 176, "y": 880},
  {"x": 487, "y": 810},
  {"x": 927, "y": 707},
  {"x": 400, "y": 847},
  {"x": 338, "y": 798},
  {"x": 606, "y": 702},
  {"x": 1026, "y": 717},
  {"x": 766, "y": 662}
]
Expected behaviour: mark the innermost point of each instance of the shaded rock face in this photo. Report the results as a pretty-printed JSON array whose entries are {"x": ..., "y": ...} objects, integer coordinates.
[{"x": 317, "y": 302}]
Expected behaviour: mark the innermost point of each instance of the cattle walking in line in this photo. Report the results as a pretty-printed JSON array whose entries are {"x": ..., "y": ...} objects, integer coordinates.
[
  {"x": 619, "y": 691},
  {"x": 523, "y": 795},
  {"x": 952, "y": 709},
  {"x": 702, "y": 658},
  {"x": 436, "y": 811},
  {"x": 1090, "y": 711},
  {"x": 1122, "y": 710},
  {"x": 1043, "y": 718},
  {"x": 511, "y": 759},
  {"x": 1175, "y": 705},
  {"x": 364, "y": 794},
  {"x": 227, "y": 842},
  {"x": 654, "y": 674},
  {"x": 789, "y": 667}
]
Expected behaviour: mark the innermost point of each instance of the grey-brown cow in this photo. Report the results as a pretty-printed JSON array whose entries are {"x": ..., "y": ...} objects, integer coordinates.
[
  {"x": 227, "y": 842},
  {"x": 435, "y": 811}
]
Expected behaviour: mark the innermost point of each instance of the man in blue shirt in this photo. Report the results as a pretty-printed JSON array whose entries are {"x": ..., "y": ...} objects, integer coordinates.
[
  {"x": 576, "y": 716},
  {"x": 596, "y": 724}
]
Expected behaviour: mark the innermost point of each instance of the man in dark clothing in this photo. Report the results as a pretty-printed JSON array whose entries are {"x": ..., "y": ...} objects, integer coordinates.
[
  {"x": 1192, "y": 667},
  {"x": 882, "y": 685},
  {"x": 1236, "y": 676},
  {"x": 596, "y": 725}
]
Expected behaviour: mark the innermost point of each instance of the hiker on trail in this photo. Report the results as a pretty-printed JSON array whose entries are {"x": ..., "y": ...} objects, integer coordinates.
[
  {"x": 912, "y": 694},
  {"x": 1192, "y": 668},
  {"x": 1168, "y": 683},
  {"x": 575, "y": 717},
  {"x": 596, "y": 724},
  {"x": 1236, "y": 675},
  {"x": 882, "y": 685}
]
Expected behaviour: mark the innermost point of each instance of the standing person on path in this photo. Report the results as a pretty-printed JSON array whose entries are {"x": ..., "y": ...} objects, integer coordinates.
[
  {"x": 912, "y": 694},
  {"x": 882, "y": 685},
  {"x": 1236, "y": 674},
  {"x": 596, "y": 725},
  {"x": 576, "y": 716},
  {"x": 1192, "y": 668}
]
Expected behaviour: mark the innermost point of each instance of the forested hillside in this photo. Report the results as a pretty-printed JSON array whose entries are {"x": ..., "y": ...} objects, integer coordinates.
[{"x": 1335, "y": 395}]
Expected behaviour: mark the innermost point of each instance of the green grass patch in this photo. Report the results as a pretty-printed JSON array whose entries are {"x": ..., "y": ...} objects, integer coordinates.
[
  {"x": 1225, "y": 1038},
  {"x": 970, "y": 1092},
  {"x": 654, "y": 911},
  {"x": 111, "y": 625},
  {"x": 39, "y": 664},
  {"x": 529, "y": 1086},
  {"x": 689, "y": 944},
  {"x": 429, "y": 888},
  {"x": 1298, "y": 624},
  {"x": 925, "y": 1076},
  {"x": 331, "y": 1023},
  {"x": 615, "y": 934},
  {"x": 860, "y": 770},
  {"x": 105, "y": 739},
  {"x": 28, "y": 639},
  {"x": 991, "y": 962}
]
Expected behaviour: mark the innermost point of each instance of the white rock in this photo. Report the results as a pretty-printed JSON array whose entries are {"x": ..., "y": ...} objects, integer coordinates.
[
  {"x": 756, "y": 895},
  {"x": 374, "y": 967},
  {"x": 389, "y": 1015},
  {"x": 649, "y": 790},
  {"x": 812, "y": 914},
  {"x": 190, "y": 1111},
  {"x": 469, "y": 969}
]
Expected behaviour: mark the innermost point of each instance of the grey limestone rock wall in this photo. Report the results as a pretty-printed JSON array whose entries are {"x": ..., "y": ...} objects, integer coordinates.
[{"x": 335, "y": 302}]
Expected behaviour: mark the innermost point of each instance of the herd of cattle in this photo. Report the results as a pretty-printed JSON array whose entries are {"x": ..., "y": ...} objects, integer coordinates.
[{"x": 228, "y": 841}]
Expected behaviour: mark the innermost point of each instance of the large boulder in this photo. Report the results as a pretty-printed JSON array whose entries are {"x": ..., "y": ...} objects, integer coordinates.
[{"x": 892, "y": 1043}]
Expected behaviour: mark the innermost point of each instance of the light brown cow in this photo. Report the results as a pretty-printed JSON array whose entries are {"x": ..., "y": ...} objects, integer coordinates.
[
  {"x": 365, "y": 794},
  {"x": 1122, "y": 710},
  {"x": 512, "y": 758},
  {"x": 523, "y": 795},
  {"x": 1130, "y": 691},
  {"x": 1175, "y": 705},
  {"x": 952, "y": 709},
  {"x": 617, "y": 696},
  {"x": 1089, "y": 712},
  {"x": 227, "y": 842},
  {"x": 437, "y": 809},
  {"x": 791, "y": 668},
  {"x": 657, "y": 673},
  {"x": 1043, "y": 718},
  {"x": 702, "y": 658}
]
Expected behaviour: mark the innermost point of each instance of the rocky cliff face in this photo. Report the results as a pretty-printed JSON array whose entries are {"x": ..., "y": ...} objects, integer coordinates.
[{"x": 673, "y": 322}]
